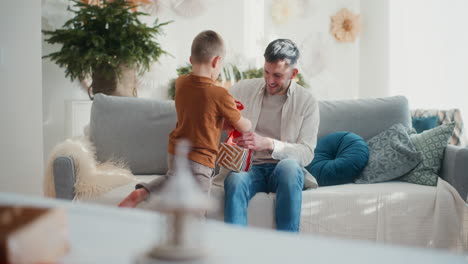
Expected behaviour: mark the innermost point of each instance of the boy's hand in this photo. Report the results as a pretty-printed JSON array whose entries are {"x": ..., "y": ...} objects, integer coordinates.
[
  {"x": 253, "y": 141},
  {"x": 134, "y": 198}
]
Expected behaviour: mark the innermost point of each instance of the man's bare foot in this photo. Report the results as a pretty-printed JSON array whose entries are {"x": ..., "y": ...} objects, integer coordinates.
[{"x": 134, "y": 198}]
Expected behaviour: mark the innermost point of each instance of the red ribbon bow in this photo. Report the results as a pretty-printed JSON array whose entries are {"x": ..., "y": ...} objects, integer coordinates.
[{"x": 234, "y": 133}]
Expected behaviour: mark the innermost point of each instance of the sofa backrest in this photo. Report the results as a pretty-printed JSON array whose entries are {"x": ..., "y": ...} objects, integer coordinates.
[
  {"x": 132, "y": 130},
  {"x": 365, "y": 117},
  {"x": 136, "y": 130}
]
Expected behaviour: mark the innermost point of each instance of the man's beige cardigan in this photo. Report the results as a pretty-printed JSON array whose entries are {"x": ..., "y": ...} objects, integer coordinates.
[{"x": 299, "y": 123}]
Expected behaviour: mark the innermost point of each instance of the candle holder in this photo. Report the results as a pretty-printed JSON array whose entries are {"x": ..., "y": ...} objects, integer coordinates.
[{"x": 183, "y": 201}]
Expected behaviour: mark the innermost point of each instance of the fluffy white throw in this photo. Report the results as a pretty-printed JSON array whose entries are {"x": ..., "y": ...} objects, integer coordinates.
[{"x": 92, "y": 178}]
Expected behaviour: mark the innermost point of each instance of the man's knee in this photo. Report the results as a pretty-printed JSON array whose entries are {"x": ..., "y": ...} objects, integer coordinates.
[
  {"x": 289, "y": 171},
  {"x": 235, "y": 180},
  {"x": 288, "y": 166}
]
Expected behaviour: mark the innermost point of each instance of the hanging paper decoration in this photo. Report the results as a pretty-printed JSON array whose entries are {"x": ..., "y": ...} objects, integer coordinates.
[
  {"x": 189, "y": 8},
  {"x": 345, "y": 25},
  {"x": 154, "y": 7},
  {"x": 283, "y": 10},
  {"x": 93, "y": 2}
]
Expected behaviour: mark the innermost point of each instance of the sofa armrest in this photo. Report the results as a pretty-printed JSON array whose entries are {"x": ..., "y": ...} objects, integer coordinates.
[
  {"x": 64, "y": 177},
  {"x": 455, "y": 169}
]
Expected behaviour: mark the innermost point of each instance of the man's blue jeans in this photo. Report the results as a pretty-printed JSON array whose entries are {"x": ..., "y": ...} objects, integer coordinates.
[{"x": 285, "y": 178}]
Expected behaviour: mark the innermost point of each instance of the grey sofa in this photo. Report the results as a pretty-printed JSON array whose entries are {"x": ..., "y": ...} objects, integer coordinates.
[{"x": 136, "y": 130}]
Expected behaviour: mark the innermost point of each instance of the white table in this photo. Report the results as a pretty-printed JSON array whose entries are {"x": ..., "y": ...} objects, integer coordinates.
[{"x": 102, "y": 234}]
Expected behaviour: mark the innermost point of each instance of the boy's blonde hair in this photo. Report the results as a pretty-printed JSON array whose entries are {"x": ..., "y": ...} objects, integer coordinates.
[{"x": 206, "y": 45}]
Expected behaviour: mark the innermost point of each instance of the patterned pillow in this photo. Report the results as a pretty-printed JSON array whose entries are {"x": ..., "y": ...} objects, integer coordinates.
[
  {"x": 459, "y": 137},
  {"x": 432, "y": 144},
  {"x": 391, "y": 155}
]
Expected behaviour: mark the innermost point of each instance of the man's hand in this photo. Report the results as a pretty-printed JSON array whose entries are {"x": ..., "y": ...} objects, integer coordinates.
[
  {"x": 253, "y": 141},
  {"x": 134, "y": 198}
]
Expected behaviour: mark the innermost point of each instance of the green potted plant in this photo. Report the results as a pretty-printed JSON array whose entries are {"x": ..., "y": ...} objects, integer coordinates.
[{"x": 107, "y": 43}]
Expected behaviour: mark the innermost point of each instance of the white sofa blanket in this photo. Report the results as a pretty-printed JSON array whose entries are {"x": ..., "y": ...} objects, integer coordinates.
[{"x": 392, "y": 212}]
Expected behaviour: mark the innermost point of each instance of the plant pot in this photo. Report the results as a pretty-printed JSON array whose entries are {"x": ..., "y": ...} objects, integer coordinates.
[{"x": 123, "y": 86}]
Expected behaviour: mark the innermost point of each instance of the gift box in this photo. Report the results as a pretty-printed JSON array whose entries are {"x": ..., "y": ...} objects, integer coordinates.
[{"x": 231, "y": 156}]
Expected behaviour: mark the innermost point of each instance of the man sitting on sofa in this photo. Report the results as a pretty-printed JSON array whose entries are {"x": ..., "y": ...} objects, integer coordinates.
[{"x": 285, "y": 121}]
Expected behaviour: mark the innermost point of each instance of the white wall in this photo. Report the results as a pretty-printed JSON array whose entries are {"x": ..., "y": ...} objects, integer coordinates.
[
  {"x": 310, "y": 30},
  {"x": 246, "y": 28},
  {"x": 374, "y": 49},
  {"x": 429, "y": 53},
  {"x": 21, "y": 143}
]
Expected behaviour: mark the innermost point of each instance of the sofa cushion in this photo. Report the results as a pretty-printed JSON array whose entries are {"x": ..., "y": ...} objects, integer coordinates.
[
  {"x": 365, "y": 117},
  {"x": 133, "y": 130},
  {"x": 392, "y": 154},
  {"x": 431, "y": 144},
  {"x": 339, "y": 158},
  {"x": 424, "y": 123}
]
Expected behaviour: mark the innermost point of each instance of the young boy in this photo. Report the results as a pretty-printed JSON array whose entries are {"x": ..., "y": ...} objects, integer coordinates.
[{"x": 202, "y": 108}]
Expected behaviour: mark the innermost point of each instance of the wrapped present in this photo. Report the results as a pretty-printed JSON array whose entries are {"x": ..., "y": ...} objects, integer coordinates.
[{"x": 231, "y": 156}]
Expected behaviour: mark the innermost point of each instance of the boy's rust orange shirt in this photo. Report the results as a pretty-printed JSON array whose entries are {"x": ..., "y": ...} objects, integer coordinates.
[{"x": 201, "y": 107}]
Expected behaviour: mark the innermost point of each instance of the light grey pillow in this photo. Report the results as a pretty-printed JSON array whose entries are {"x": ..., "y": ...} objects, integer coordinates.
[
  {"x": 432, "y": 145},
  {"x": 391, "y": 155},
  {"x": 133, "y": 130}
]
